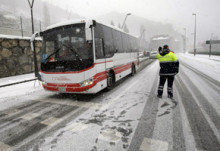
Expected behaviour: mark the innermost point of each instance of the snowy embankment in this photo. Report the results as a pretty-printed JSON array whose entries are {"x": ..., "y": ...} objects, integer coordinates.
[
  {"x": 205, "y": 64},
  {"x": 16, "y": 79}
]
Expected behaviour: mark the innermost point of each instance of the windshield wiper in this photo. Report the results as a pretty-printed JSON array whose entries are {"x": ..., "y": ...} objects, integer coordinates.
[
  {"x": 75, "y": 53},
  {"x": 53, "y": 54}
]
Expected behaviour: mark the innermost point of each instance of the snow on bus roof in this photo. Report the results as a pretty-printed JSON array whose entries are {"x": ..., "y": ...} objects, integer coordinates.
[
  {"x": 64, "y": 23},
  {"x": 69, "y": 22}
]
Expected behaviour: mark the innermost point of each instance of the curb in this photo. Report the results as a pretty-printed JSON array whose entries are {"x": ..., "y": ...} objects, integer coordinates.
[{"x": 5, "y": 85}]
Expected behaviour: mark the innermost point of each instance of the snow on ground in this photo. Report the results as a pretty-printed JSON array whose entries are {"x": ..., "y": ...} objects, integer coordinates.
[
  {"x": 18, "y": 92},
  {"x": 205, "y": 64}
]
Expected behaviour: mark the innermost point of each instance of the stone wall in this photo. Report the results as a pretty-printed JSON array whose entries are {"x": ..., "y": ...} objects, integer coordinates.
[{"x": 16, "y": 56}]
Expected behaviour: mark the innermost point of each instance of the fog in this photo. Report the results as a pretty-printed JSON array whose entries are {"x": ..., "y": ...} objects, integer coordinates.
[
  {"x": 175, "y": 12},
  {"x": 157, "y": 17}
]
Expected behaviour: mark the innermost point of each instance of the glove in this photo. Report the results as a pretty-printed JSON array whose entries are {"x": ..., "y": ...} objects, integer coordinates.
[{"x": 160, "y": 49}]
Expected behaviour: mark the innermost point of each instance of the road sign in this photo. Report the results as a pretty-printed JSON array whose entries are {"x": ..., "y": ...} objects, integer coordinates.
[{"x": 213, "y": 42}]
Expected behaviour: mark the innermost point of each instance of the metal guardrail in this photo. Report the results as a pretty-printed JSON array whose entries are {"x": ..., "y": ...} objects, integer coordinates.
[{"x": 5, "y": 85}]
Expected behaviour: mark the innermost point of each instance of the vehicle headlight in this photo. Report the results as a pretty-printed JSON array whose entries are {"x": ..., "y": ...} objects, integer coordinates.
[
  {"x": 44, "y": 83},
  {"x": 86, "y": 82}
]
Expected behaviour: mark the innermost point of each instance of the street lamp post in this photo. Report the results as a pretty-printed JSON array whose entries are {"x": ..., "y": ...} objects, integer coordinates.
[
  {"x": 194, "y": 35},
  {"x": 210, "y": 45},
  {"x": 125, "y": 20},
  {"x": 31, "y": 4},
  {"x": 184, "y": 40}
]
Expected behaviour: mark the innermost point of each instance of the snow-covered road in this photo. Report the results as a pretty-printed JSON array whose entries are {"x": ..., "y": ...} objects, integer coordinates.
[{"x": 129, "y": 117}]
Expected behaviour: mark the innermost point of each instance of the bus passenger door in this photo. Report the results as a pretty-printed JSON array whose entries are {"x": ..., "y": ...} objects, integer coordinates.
[{"x": 99, "y": 56}]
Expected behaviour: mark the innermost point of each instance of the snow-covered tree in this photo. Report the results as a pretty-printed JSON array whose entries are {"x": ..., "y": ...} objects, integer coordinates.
[
  {"x": 119, "y": 25},
  {"x": 112, "y": 23},
  {"x": 142, "y": 28}
]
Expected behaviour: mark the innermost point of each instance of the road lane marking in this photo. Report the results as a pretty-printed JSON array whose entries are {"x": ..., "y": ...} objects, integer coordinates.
[
  {"x": 4, "y": 147},
  {"x": 187, "y": 131},
  {"x": 74, "y": 103},
  {"x": 206, "y": 115},
  {"x": 153, "y": 145},
  {"x": 51, "y": 121},
  {"x": 77, "y": 127},
  {"x": 12, "y": 112},
  {"x": 30, "y": 116},
  {"x": 46, "y": 129},
  {"x": 88, "y": 104}
]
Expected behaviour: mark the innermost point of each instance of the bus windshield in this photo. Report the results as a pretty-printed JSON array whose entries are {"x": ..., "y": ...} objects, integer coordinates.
[{"x": 66, "y": 45}]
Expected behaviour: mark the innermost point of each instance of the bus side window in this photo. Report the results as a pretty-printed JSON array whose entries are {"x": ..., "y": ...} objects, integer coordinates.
[
  {"x": 117, "y": 41},
  {"x": 99, "y": 53},
  {"x": 108, "y": 42},
  {"x": 125, "y": 42}
]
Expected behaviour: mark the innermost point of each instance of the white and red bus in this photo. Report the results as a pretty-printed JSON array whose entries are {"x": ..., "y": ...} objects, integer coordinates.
[{"x": 86, "y": 56}]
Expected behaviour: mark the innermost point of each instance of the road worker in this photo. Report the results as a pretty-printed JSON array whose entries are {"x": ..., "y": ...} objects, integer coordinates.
[{"x": 169, "y": 67}]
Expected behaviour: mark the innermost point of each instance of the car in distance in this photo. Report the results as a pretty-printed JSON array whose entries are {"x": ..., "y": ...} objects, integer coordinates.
[{"x": 153, "y": 55}]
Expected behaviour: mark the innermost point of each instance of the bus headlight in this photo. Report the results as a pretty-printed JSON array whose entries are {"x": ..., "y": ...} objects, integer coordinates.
[
  {"x": 86, "y": 82},
  {"x": 44, "y": 83}
]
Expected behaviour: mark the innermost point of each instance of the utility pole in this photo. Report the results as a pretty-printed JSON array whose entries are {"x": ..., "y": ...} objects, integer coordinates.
[
  {"x": 210, "y": 46},
  {"x": 194, "y": 35},
  {"x": 184, "y": 45},
  {"x": 31, "y": 4},
  {"x": 40, "y": 25}
]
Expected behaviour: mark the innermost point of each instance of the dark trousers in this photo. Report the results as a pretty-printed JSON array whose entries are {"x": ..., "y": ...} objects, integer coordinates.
[{"x": 163, "y": 79}]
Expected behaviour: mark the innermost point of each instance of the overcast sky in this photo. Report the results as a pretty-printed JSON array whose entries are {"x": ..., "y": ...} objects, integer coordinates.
[{"x": 176, "y": 12}]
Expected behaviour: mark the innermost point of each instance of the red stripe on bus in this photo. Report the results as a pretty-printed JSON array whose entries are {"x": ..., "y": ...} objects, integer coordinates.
[
  {"x": 75, "y": 87},
  {"x": 122, "y": 68}
]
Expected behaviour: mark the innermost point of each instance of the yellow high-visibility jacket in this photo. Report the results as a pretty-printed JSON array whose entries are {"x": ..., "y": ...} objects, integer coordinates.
[{"x": 169, "y": 63}]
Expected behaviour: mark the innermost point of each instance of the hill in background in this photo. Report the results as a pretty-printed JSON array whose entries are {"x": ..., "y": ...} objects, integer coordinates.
[{"x": 46, "y": 14}]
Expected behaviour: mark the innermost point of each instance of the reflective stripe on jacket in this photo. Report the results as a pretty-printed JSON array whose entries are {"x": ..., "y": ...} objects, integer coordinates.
[{"x": 169, "y": 64}]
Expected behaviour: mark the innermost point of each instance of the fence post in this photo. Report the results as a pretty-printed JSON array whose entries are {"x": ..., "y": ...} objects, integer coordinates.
[
  {"x": 40, "y": 25},
  {"x": 21, "y": 26}
]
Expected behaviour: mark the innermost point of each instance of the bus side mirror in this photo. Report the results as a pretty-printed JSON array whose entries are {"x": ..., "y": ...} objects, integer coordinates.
[
  {"x": 88, "y": 27},
  {"x": 88, "y": 34},
  {"x": 37, "y": 34}
]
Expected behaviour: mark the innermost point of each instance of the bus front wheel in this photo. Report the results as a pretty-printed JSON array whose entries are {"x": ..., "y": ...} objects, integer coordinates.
[
  {"x": 110, "y": 81},
  {"x": 133, "y": 70}
]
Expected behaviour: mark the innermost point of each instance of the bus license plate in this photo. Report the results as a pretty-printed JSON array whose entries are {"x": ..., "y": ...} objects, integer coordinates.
[{"x": 62, "y": 89}]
